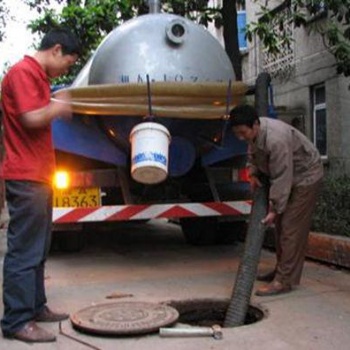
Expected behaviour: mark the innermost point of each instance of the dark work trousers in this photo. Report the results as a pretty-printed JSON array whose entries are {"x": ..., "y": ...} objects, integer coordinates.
[
  {"x": 292, "y": 232},
  {"x": 28, "y": 242}
]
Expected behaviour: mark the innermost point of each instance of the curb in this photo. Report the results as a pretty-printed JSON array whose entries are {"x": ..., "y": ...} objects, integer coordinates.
[
  {"x": 322, "y": 247},
  {"x": 332, "y": 249}
]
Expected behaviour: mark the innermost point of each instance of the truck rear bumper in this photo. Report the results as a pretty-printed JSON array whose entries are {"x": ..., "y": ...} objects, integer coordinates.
[{"x": 152, "y": 211}]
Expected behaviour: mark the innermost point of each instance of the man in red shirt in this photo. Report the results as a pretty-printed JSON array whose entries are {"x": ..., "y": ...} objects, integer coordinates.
[{"x": 27, "y": 169}]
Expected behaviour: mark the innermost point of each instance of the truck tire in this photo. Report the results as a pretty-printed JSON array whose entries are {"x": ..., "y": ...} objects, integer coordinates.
[
  {"x": 209, "y": 231},
  {"x": 68, "y": 241},
  {"x": 200, "y": 231},
  {"x": 232, "y": 231}
]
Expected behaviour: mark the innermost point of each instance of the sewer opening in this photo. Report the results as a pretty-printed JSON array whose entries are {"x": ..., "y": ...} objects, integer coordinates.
[{"x": 209, "y": 312}]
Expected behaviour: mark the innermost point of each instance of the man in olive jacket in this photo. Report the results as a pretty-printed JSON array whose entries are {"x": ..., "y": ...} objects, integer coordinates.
[{"x": 294, "y": 169}]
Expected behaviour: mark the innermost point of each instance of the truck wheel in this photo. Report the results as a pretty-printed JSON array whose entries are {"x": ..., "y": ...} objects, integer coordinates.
[
  {"x": 68, "y": 241},
  {"x": 232, "y": 231},
  {"x": 208, "y": 231},
  {"x": 200, "y": 231}
]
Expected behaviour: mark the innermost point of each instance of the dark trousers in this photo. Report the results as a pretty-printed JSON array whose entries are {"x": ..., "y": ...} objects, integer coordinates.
[
  {"x": 292, "y": 232},
  {"x": 28, "y": 242}
]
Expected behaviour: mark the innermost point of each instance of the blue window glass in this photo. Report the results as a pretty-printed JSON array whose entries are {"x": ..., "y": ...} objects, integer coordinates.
[{"x": 241, "y": 23}]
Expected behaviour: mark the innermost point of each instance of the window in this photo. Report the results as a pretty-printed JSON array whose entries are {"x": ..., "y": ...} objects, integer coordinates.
[
  {"x": 241, "y": 24},
  {"x": 319, "y": 118}
]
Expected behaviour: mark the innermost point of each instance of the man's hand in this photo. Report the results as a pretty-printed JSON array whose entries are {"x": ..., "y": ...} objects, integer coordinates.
[
  {"x": 269, "y": 218},
  {"x": 61, "y": 105},
  {"x": 254, "y": 183}
]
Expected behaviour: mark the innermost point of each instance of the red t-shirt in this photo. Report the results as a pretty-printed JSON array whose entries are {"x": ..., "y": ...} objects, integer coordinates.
[{"x": 29, "y": 152}]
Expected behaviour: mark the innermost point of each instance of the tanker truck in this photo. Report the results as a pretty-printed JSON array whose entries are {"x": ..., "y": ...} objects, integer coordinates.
[{"x": 149, "y": 136}]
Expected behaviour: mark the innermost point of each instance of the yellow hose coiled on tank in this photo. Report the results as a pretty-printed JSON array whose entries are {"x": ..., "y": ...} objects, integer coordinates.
[{"x": 168, "y": 99}]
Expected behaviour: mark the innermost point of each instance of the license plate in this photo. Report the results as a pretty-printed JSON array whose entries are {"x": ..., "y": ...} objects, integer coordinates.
[{"x": 77, "y": 197}]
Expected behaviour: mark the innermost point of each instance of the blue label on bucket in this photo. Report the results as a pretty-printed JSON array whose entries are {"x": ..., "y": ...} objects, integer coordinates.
[{"x": 150, "y": 156}]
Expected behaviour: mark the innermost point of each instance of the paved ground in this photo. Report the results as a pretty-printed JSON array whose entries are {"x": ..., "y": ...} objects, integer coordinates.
[{"x": 151, "y": 262}]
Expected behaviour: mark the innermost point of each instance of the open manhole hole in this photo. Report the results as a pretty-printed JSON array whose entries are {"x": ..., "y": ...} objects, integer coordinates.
[{"x": 209, "y": 312}]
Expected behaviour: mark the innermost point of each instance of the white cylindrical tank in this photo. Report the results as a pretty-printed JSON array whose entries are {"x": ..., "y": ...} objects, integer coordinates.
[{"x": 164, "y": 46}]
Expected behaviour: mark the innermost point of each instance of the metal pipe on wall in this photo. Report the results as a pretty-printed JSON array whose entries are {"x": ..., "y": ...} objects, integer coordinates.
[{"x": 154, "y": 6}]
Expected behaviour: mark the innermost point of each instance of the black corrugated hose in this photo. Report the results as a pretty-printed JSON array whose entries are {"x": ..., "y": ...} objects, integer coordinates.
[{"x": 239, "y": 303}]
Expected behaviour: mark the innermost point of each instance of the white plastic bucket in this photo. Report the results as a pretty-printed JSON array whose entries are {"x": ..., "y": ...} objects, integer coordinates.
[{"x": 149, "y": 152}]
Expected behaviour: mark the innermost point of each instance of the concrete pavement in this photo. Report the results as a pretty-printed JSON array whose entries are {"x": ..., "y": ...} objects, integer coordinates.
[{"x": 151, "y": 262}]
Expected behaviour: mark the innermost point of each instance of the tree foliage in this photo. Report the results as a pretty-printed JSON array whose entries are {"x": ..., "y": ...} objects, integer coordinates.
[
  {"x": 330, "y": 18},
  {"x": 92, "y": 20},
  {"x": 3, "y": 19},
  {"x": 336, "y": 195}
]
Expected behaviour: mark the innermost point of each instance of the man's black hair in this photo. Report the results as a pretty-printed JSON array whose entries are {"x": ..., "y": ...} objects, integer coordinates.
[
  {"x": 64, "y": 37},
  {"x": 243, "y": 115}
]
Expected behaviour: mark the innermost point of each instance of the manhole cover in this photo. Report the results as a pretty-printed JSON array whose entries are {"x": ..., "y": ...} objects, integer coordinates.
[{"x": 124, "y": 318}]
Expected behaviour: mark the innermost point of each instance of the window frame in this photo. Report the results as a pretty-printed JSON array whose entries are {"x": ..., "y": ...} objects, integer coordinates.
[{"x": 320, "y": 106}]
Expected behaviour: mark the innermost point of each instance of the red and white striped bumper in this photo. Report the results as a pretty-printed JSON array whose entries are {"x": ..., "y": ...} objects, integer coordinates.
[{"x": 152, "y": 211}]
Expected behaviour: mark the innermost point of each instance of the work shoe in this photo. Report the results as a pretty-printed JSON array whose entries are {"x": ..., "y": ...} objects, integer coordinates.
[
  {"x": 267, "y": 276},
  {"x": 273, "y": 288},
  {"x": 46, "y": 315},
  {"x": 31, "y": 333}
]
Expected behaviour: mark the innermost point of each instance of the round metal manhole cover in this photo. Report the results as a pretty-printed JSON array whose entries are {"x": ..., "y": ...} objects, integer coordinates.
[{"x": 124, "y": 318}]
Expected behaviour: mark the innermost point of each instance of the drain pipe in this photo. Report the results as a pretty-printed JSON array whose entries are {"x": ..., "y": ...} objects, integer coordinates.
[
  {"x": 154, "y": 6},
  {"x": 262, "y": 94},
  {"x": 247, "y": 270}
]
